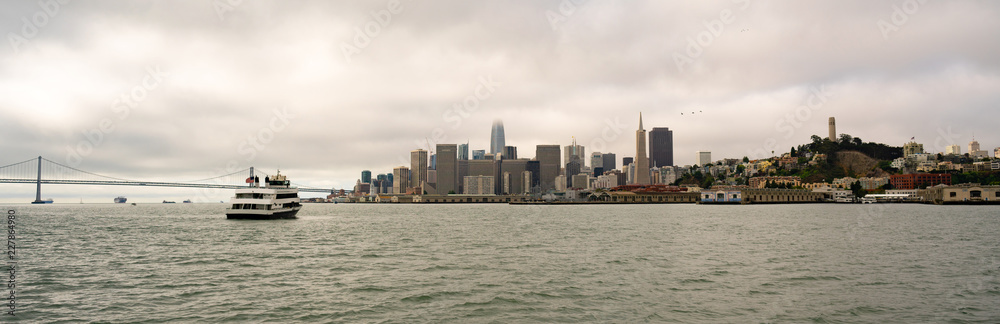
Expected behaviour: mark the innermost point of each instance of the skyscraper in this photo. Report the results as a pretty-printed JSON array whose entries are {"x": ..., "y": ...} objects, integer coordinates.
[
  {"x": 418, "y": 168},
  {"x": 704, "y": 158},
  {"x": 661, "y": 147},
  {"x": 548, "y": 165},
  {"x": 509, "y": 153},
  {"x": 401, "y": 179},
  {"x": 609, "y": 161},
  {"x": 641, "y": 161},
  {"x": 627, "y": 160},
  {"x": 478, "y": 154},
  {"x": 597, "y": 160},
  {"x": 366, "y": 176},
  {"x": 463, "y": 151},
  {"x": 447, "y": 168},
  {"x": 497, "y": 137},
  {"x": 575, "y": 150}
]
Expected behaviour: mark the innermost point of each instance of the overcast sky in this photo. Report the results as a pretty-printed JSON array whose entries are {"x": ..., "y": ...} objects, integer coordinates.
[{"x": 327, "y": 89}]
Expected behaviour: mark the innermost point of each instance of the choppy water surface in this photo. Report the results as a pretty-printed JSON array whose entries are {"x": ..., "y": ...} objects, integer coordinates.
[{"x": 500, "y": 263}]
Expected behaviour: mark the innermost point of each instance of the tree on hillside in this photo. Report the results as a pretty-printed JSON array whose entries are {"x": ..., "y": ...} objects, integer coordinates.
[{"x": 857, "y": 189}]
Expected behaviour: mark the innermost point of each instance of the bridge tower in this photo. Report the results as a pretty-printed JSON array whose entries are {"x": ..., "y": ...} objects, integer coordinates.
[{"x": 38, "y": 184}]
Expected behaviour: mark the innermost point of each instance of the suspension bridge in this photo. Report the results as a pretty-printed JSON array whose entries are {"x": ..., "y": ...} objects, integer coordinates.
[{"x": 44, "y": 171}]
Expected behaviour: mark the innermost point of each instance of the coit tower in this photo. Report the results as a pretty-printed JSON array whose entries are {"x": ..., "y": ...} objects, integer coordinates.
[{"x": 833, "y": 130}]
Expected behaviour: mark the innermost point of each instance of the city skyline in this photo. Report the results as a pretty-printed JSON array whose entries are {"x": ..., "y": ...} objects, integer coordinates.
[{"x": 136, "y": 97}]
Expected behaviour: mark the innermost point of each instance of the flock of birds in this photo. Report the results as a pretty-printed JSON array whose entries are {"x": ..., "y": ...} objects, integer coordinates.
[{"x": 691, "y": 113}]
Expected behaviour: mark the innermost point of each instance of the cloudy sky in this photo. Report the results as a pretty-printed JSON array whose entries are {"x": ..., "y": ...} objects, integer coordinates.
[{"x": 172, "y": 90}]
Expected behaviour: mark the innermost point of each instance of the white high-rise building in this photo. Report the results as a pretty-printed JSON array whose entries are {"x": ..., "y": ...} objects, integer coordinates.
[
  {"x": 704, "y": 158},
  {"x": 953, "y": 149}
]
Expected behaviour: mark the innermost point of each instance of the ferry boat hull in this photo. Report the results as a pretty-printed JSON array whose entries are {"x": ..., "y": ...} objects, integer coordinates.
[{"x": 288, "y": 214}]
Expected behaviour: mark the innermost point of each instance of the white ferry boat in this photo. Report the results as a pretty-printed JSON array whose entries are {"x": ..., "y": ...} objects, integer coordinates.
[{"x": 277, "y": 199}]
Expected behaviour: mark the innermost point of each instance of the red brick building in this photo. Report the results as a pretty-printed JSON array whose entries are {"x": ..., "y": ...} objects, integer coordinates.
[{"x": 915, "y": 180}]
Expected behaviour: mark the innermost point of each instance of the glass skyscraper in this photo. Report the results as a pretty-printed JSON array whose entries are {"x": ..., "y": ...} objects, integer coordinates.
[
  {"x": 661, "y": 147},
  {"x": 497, "y": 137},
  {"x": 463, "y": 151}
]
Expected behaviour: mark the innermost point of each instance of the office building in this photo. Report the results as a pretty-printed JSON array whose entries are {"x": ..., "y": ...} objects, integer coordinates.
[
  {"x": 575, "y": 150},
  {"x": 401, "y": 179},
  {"x": 704, "y": 157},
  {"x": 661, "y": 147},
  {"x": 609, "y": 162},
  {"x": 479, "y": 154},
  {"x": 497, "y": 141},
  {"x": 572, "y": 168},
  {"x": 433, "y": 165},
  {"x": 366, "y": 176},
  {"x": 627, "y": 160},
  {"x": 548, "y": 157},
  {"x": 463, "y": 151},
  {"x": 418, "y": 168},
  {"x": 596, "y": 160},
  {"x": 447, "y": 168},
  {"x": 509, "y": 153},
  {"x": 953, "y": 149},
  {"x": 641, "y": 161},
  {"x": 515, "y": 168},
  {"x": 478, "y": 185}
]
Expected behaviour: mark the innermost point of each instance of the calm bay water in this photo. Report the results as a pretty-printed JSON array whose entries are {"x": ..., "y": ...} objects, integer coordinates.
[{"x": 500, "y": 263}]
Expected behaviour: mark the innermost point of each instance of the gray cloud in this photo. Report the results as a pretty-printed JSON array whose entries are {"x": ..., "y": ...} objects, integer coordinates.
[{"x": 602, "y": 62}]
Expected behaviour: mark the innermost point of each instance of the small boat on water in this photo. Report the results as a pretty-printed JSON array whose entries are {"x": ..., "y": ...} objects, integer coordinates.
[
  {"x": 43, "y": 201},
  {"x": 274, "y": 201},
  {"x": 120, "y": 200},
  {"x": 187, "y": 201}
]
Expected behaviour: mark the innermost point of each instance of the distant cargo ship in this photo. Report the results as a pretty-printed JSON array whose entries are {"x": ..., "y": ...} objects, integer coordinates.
[
  {"x": 120, "y": 200},
  {"x": 187, "y": 201},
  {"x": 169, "y": 202}
]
